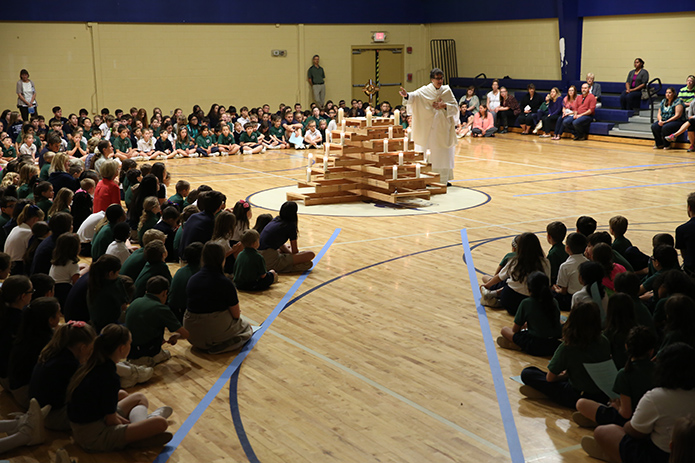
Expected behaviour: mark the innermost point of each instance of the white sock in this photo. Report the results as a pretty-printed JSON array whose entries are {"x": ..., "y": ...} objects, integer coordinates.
[{"x": 138, "y": 413}]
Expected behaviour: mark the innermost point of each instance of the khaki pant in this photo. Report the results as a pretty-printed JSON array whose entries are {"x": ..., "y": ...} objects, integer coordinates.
[
  {"x": 319, "y": 93},
  {"x": 217, "y": 332}
]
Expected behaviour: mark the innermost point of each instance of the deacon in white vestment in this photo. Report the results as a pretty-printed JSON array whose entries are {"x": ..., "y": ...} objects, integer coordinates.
[{"x": 435, "y": 112}]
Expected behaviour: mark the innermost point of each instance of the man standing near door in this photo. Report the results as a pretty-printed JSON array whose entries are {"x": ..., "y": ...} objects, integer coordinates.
[
  {"x": 317, "y": 79},
  {"x": 434, "y": 110}
]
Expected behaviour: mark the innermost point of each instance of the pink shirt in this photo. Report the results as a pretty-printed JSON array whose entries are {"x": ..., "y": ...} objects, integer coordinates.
[
  {"x": 483, "y": 124},
  {"x": 608, "y": 281}
]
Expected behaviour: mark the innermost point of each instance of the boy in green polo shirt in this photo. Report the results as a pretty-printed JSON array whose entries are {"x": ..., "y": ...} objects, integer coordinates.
[
  {"x": 277, "y": 133},
  {"x": 146, "y": 318},
  {"x": 250, "y": 273},
  {"x": 226, "y": 143},
  {"x": 8, "y": 150},
  {"x": 156, "y": 254},
  {"x": 617, "y": 226},
  {"x": 205, "y": 144},
  {"x": 134, "y": 264},
  {"x": 122, "y": 146},
  {"x": 43, "y": 195},
  {"x": 249, "y": 140},
  {"x": 557, "y": 254},
  {"x": 183, "y": 187},
  {"x": 177, "y": 294}
]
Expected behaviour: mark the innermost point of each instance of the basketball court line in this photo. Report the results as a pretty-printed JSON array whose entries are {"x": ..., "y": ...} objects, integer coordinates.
[{"x": 603, "y": 189}]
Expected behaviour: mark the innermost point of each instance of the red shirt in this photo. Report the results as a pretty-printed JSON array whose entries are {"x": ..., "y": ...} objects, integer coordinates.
[
  {"x": 586, "y": 104},
  {"x": 106, "y": 194}
]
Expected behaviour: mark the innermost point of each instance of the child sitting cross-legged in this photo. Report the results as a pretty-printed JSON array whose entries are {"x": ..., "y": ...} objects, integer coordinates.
[
  {"x": 539, "y": 315},
  {"x": 250, "y": 273},
  {"x": 146, "y": 318},
  {"x": 156, "y": 254},
  {"x": 568, "y": 274}
]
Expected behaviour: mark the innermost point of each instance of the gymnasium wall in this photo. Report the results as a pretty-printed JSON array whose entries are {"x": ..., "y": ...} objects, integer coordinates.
[
  {"x": 177, "y": 65},
  {"x": 611, "y": 44},
  {"x": 518, "y": 49}
]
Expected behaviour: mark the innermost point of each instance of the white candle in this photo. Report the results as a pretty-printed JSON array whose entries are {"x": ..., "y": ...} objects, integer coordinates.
[
  {"x": 341, "y": 111},
  {"x": 427, "y": 156},
  {"x": 395, "y": 172},
  {"x": 310, "y": 160},
  {"x": 409, "y": 135},
  {"x": 325, "y": 163},
  {"x": 308, "y": 174},
  {"x": 342, "y": 138},
  {"x": 386, "y": 145},
  {"x": 391, "y": 131},
  {"x": 396, "y": 117},
  {"x": 405, "y": 143},
  {"x": 400, "y": 159},
  {"x": 417, "y": 170},
  {"x": 369, "y": 117},
  {"x": 342, "y": 125}
]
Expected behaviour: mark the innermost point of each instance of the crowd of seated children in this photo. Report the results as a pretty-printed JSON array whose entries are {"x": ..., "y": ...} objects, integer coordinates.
[{"x": 642, "y": 322}]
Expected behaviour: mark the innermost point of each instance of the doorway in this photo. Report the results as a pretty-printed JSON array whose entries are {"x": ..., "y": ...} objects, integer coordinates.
[{"x": 384, "y": 65}]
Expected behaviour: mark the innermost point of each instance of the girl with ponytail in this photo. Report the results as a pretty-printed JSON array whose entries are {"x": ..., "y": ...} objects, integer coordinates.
[
  {"x": 591, "y": 277},
  {"x": 71, "y": 346},
  {"x": 536, "y": 328},
  {"x": 15, "y": 294},
  {"x": 101, "y": 422}
]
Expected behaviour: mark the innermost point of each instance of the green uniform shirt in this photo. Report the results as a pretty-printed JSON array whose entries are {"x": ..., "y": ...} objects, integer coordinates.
[
  {"x": 122, "y": 144},
  {"x": 148, "y": 272},
  {"x": 203, "y": 142},
  {"x": 107, "y": 303},
  {"x": 278, "y": 132},
  {"x": 245, "y": 138},
  {"x": 506, "y": 258},
  {"x": 134, "y": 264},
  {"x": 557, "y": 256},
  {"x": 177, "y": 239},
  {"x": 621, "y": 244},
  {"x": 4, "y": 218},
  {"x": 101, "y": 241},
  {"x": 177, "y": 199},
  {"x": 618, "y": 350},
  {"x": 146, "y": 319},
  {"x": 248, "y": 267},
  {"x": 316, "y": 74},
  {"x": 540, "y": 323},
  {"x": 636, "y": 382},
  {"x": 314, "y": 119},
  {"x": 150, "y": 222},
  {"x": 228, "y": 140},
  {"x": 619, "y": 259},
  {"x": 573, "y": 358},
  {"x": 43, "y": 175},
  {"x": 648, "y": 282},
  {"x": 177, "y": 292},
  {"x": 23, "y": 191},
  {"x": 10, "y": 152},
  {"x": 183, "y": 145},
  {"x": 156, "y": 132},
  {"x": 45, "y": 204},
  {"x": 83, "y": 144}
]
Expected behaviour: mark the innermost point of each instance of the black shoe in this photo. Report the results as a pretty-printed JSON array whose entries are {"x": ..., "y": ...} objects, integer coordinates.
[
  {"x": 448, "y": 183},
  {"x": 579, "y": 137}
]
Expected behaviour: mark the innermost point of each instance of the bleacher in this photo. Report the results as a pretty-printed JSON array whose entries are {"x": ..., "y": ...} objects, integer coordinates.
[{"x": 609, "y": 120}]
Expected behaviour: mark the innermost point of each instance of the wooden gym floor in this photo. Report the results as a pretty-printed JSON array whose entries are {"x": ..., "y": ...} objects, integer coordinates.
[{"x": 379, "y": 355}]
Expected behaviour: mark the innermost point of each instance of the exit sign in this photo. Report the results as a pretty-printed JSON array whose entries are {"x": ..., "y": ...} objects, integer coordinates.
[{"x": 379, "y": 37}]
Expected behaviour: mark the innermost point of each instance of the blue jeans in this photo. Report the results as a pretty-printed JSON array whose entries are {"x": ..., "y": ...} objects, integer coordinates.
[
  {"x": 560, "y": 125},
  {"x": 630, "y": 100},
  {"x": 662, "y": 131},
  {"x": 578, "y": 126}
]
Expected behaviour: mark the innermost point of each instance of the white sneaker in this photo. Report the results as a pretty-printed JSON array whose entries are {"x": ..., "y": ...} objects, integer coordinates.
[
  {"x": 193, "y": 155},
  {"x": 538, "y": 127},
  {"x": 263, "y": 150},
  {"x": 224, "y": 153},
  {"x": 161, "y": 156},
  {"x": 165, "y": 412},
  {"x": 214, "y": 155},
  {"x": 178, "y": 156},
  {"x": 31, "y": 424},
  {"x": 63, "y": 457},
  {"x": 133, "y": 374}
]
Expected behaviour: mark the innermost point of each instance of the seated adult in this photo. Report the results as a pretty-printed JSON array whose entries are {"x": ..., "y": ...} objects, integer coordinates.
[
  {"x": 493, "y": 99},
  {"x": 199, "y": 226},
  {"x": 468, "y": 106},
  {"x": 507, "y": 110},
  {"x": 483, "y": 123},
  {"x": 669, "y": 119},
  {"x": 635, "y": 86},
  {"x": 583, "y": 115},
  {"x": 277, "y": 254},
  {"x": 554, "y": 112},
  {"x": 594, "y": 88},
  {"x": 60, "y": 178},
  {"x": 687, "y": 95},
  {"x": 213, "y": 316},
  {"x": 529, "y": 105},
  {"x": 569, "y": 105},
  {"x": 690, "y": 127}
]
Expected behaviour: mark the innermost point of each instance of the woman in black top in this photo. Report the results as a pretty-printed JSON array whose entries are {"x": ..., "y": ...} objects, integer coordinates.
[{"x": 529, "y": 106}]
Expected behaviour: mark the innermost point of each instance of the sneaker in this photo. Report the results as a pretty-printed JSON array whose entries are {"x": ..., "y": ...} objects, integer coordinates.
[
  {"x": 178, "y": 156},
  {"x": 162, "y": 356},
  {"x": 667, "y": 147},
  {"x": 487, "y": 294},
  {"x": 670, "y": 138},
  {"x": 505, "y": 343},
  {"x": 133, "y": 374},
  {"x": 161, "y": 157},
  {"x": 592, "y": 448},
  {"x": 214, "y": 155},
  {"x": 545, "y": 135},
  {"x": 224, "y": 153},
  {"x": 165, "y": 412},
  {"x": 582, "y": 421},
  {"x": 531, "y": 393},
  {"x": 538, "y": 127},
  {"x": 31, "y": 424},
  {"x": 263, "y": 150},
  {"x": 691, "y": 149},
  {"x": 657, "y": 147},
  {"x": 193, "y": 155}
]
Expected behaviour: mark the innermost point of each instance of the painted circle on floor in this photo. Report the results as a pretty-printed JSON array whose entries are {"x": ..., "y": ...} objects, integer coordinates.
[{"x": 456, "y": 199}]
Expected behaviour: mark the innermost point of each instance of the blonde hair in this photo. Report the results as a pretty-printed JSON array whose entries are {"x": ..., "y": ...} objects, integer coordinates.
[
  {"x": 147, "y": 206},
  {"x": 9, "y": 178},
  {"x": 61, "y": 201},
  {"x": 58, "y": 162},
  {"x": 29, "y": 210},
  {"x": 109, "y": 169},
  {"x": 26, "y": 172},
  {"x": 558, "y": 94}
]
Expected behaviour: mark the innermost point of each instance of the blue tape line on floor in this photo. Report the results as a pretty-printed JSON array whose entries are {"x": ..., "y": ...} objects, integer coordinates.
[
  {"x": 497, "y": 378},
  {"x": 236, "y": 363}
]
